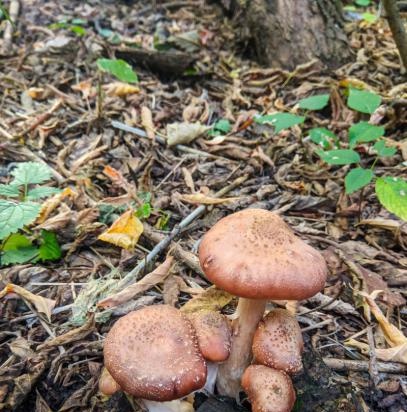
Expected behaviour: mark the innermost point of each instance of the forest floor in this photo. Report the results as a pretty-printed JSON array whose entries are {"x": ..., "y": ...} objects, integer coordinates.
[{"x": 56, "y": 106}]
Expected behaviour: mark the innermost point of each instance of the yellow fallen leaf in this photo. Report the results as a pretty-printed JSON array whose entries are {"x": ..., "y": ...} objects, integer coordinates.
[
  {"x": 211, "y": 299},
  {"x": 392, "y": 334},
  {"x": 147, "y": 122},
  {"x": 85, "y": 87},
  {"x": 120, "y": 89},
  {"x": 395, "y": 354},
  {"x": 124, "y": 232},
  {"x": 43, "y": 305},
  {"x": 201, "y": 199},
  {"x": 156, "y": 276},
  {"x": 52, "y": 203}
]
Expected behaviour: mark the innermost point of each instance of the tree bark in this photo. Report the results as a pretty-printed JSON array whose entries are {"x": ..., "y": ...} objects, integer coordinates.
[{"x": 286, "y": 33}]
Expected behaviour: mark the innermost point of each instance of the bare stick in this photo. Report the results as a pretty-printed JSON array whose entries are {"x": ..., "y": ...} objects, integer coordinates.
[
  {"x": 397, "y": 28},
  {"x": 10, "y": 25},
  {"x": 363, "y": 366}
]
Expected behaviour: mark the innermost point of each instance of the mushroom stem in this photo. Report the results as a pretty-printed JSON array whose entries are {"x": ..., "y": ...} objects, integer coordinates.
[
  {"x": 249, "y": 312},
  {"x": 171, "y": 406}
]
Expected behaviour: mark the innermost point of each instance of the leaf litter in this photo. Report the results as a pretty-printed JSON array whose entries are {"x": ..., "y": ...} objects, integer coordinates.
[{"x": 58, "y": 109}]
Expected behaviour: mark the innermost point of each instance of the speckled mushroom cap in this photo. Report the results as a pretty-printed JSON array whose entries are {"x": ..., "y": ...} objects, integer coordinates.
[
  {"x": 254, "y": 254},
  {"x": 214, "y": 334},
  {"x": 278, "y": 342},
  {"x": 153, "y": 354},
  {"x": 269, "y": 390}
]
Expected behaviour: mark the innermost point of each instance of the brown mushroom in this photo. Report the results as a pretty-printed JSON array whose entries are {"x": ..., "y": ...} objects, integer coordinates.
[
  {"x": 269, "y": 390},
  {"x": 214, "y": 334},
  {"x": 278, "y": 342},
  {"x": 153, "y": 354},
  {"x": 107, "y": 385},
  {"x": 253, "y": 254}
]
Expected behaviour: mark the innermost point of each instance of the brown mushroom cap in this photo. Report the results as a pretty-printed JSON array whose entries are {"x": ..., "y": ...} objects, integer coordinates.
[
  {"x": 269, "y": 390},
  {"x": 153, "y": 354},
  {"x": 278, "y": 342},
  {"x": 254, "y": 254},
  {"x": 214, "y": 334}
]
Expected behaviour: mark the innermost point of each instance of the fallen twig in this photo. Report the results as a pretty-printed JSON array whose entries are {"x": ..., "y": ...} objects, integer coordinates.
[
  {"x": 363, "y": 366},
  {"x": 14, "y": 9}
]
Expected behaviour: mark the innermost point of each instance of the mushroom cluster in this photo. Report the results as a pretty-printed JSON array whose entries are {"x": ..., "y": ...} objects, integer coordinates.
[{"x": 254, "y": 255}]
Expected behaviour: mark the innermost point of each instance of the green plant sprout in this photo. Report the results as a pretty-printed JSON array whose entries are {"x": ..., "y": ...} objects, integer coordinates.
[
  {"x": 391, "y": 191},
  {"x": 119, "y": 69},
  {"x": 19, "y": 207}
]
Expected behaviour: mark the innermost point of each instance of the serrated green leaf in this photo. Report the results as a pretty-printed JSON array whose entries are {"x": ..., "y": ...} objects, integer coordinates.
[
  {"x": 322, "y": 137},
  {"x": 363, "y": 132},
  {"x": 118, "y": 68},
  {"x": 339, "y": 157},
  {"x": 363, "y": 101},
  {"x": 41, "y": 192},
  {"x": 17, "y": 249},
  {"x": 9, "y": 190},
  {"x": 144, "y": 211},
  {"x": 357, "y": 178},
  {"x": 384, "y": 151},
  {"x": 14, "y": 216},
  {"x": 49, "y": 249},
  {"x": 280, "y": 121},
  {"x": 392, "y": 194},
  {"x": 30, "y": 172},
  {"x": 18, "y": 256},
  {"x": 317, "y": 102}
]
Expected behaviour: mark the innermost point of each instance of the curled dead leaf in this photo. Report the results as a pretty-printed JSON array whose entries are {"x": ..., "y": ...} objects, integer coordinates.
[
  {"x": 201, "y": 199},
  {"x": 124, "y": 232},
  {"x": 147, "y": 122},
  {"x": 184, "y": 133},
  {"x": 211, "y": 299},
  {"x": 120, "y": 89},
  {"x": 52, "y": 203}
]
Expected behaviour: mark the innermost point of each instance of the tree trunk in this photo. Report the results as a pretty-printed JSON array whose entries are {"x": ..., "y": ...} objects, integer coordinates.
[{"x": 286, "y": 33}]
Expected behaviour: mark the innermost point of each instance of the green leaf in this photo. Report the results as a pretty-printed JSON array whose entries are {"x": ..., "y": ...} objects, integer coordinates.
[
  {"x": 118, "y": 68},
  {"x": 9, "y": 190},
  {"x": 392, "y": 194},
  {"x": 322, "y": 137},
  {"x": 369, "y": 17},
  {"x": 384, "y": 151},
  {"x": 357, "y": 178},
  {"x": 14, "y": 216},
  {"x": 223, "y": 125},
  {"x": 49, "y": 249},
  {"x": 144, "y": 196},
  {"x": 280, "y": 121},
  {"x": 317, "y": 102},
  {"x": 41, "y": 192},
  {"x": 78, "y": 21},
  {"x": 30, "y": 172},
  {"x": 363, "y": 101},
  {"x": 17, "y": 249},
  {"x": 144, "y": 211},
  {"x": 339, "y": 157},
  {"x": 364, "y": 132},
  {"x": 362, "y": 3},
  {"x": 78, "y": 30}
]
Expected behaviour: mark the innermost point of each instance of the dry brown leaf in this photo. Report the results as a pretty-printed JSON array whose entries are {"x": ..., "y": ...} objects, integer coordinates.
[
  {"x": 392, "y": 334},
  {"x": 41, "y": 304},
  {"x": 120, "y": 89},
  {"x": 85, "y": 87},
  {"x": 201, "y": 199},
  {"x": 59, "y": 221},
  {"x": 124, "y": 232},
  {"x": 189, "y": 181},
  {"x": 52, "y": 203},
  {"x": 184, "y": 133},
  {"x": 211, "y": 299},
  {"x": 216, "y": 140},
  {"x": 156, "y": 276},
  {"x": 37, "y": 93},
  {"x": 118, "y": 179},
  {"x": 147, "y": 122},
  {"x": 72, "y": 335},
  {"x": 171, "y": 289}
]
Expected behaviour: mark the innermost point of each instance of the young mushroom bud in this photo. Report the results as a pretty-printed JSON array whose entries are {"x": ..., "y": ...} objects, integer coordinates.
[
  {"x": 278, "y": 342},
  {"x": 269, "y": 390},
  {"x": 214, "y": 334},
  {"x": 153, "y": 354},
  {"x": 107, "y": 385}
]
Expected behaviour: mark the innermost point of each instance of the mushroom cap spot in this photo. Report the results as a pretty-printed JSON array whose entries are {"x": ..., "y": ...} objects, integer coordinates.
[
  {"x": 254, "y": 254},
  {"x": 214, "y": 334},
  {"x": 278, "y": 342},
  {"x": 269, "y": 390},
  {"x": 153, "y": 354}
]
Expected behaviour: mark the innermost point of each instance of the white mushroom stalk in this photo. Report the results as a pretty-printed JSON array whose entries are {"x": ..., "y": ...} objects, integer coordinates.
[
  {"x": 249, "y": 312},
  {"x": 171, "y": 406}
]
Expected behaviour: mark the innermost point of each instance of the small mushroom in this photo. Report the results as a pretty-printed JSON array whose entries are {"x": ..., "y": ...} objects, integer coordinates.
[
  {"x": 253, "y": 254},
  {"x": 278, "y": 342},
  {"x": 107, "y": 385},
  {"x": 153, "y": 354},
  {"x": 214, "y": 334},
  {"x": 269, "y": 390}
]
